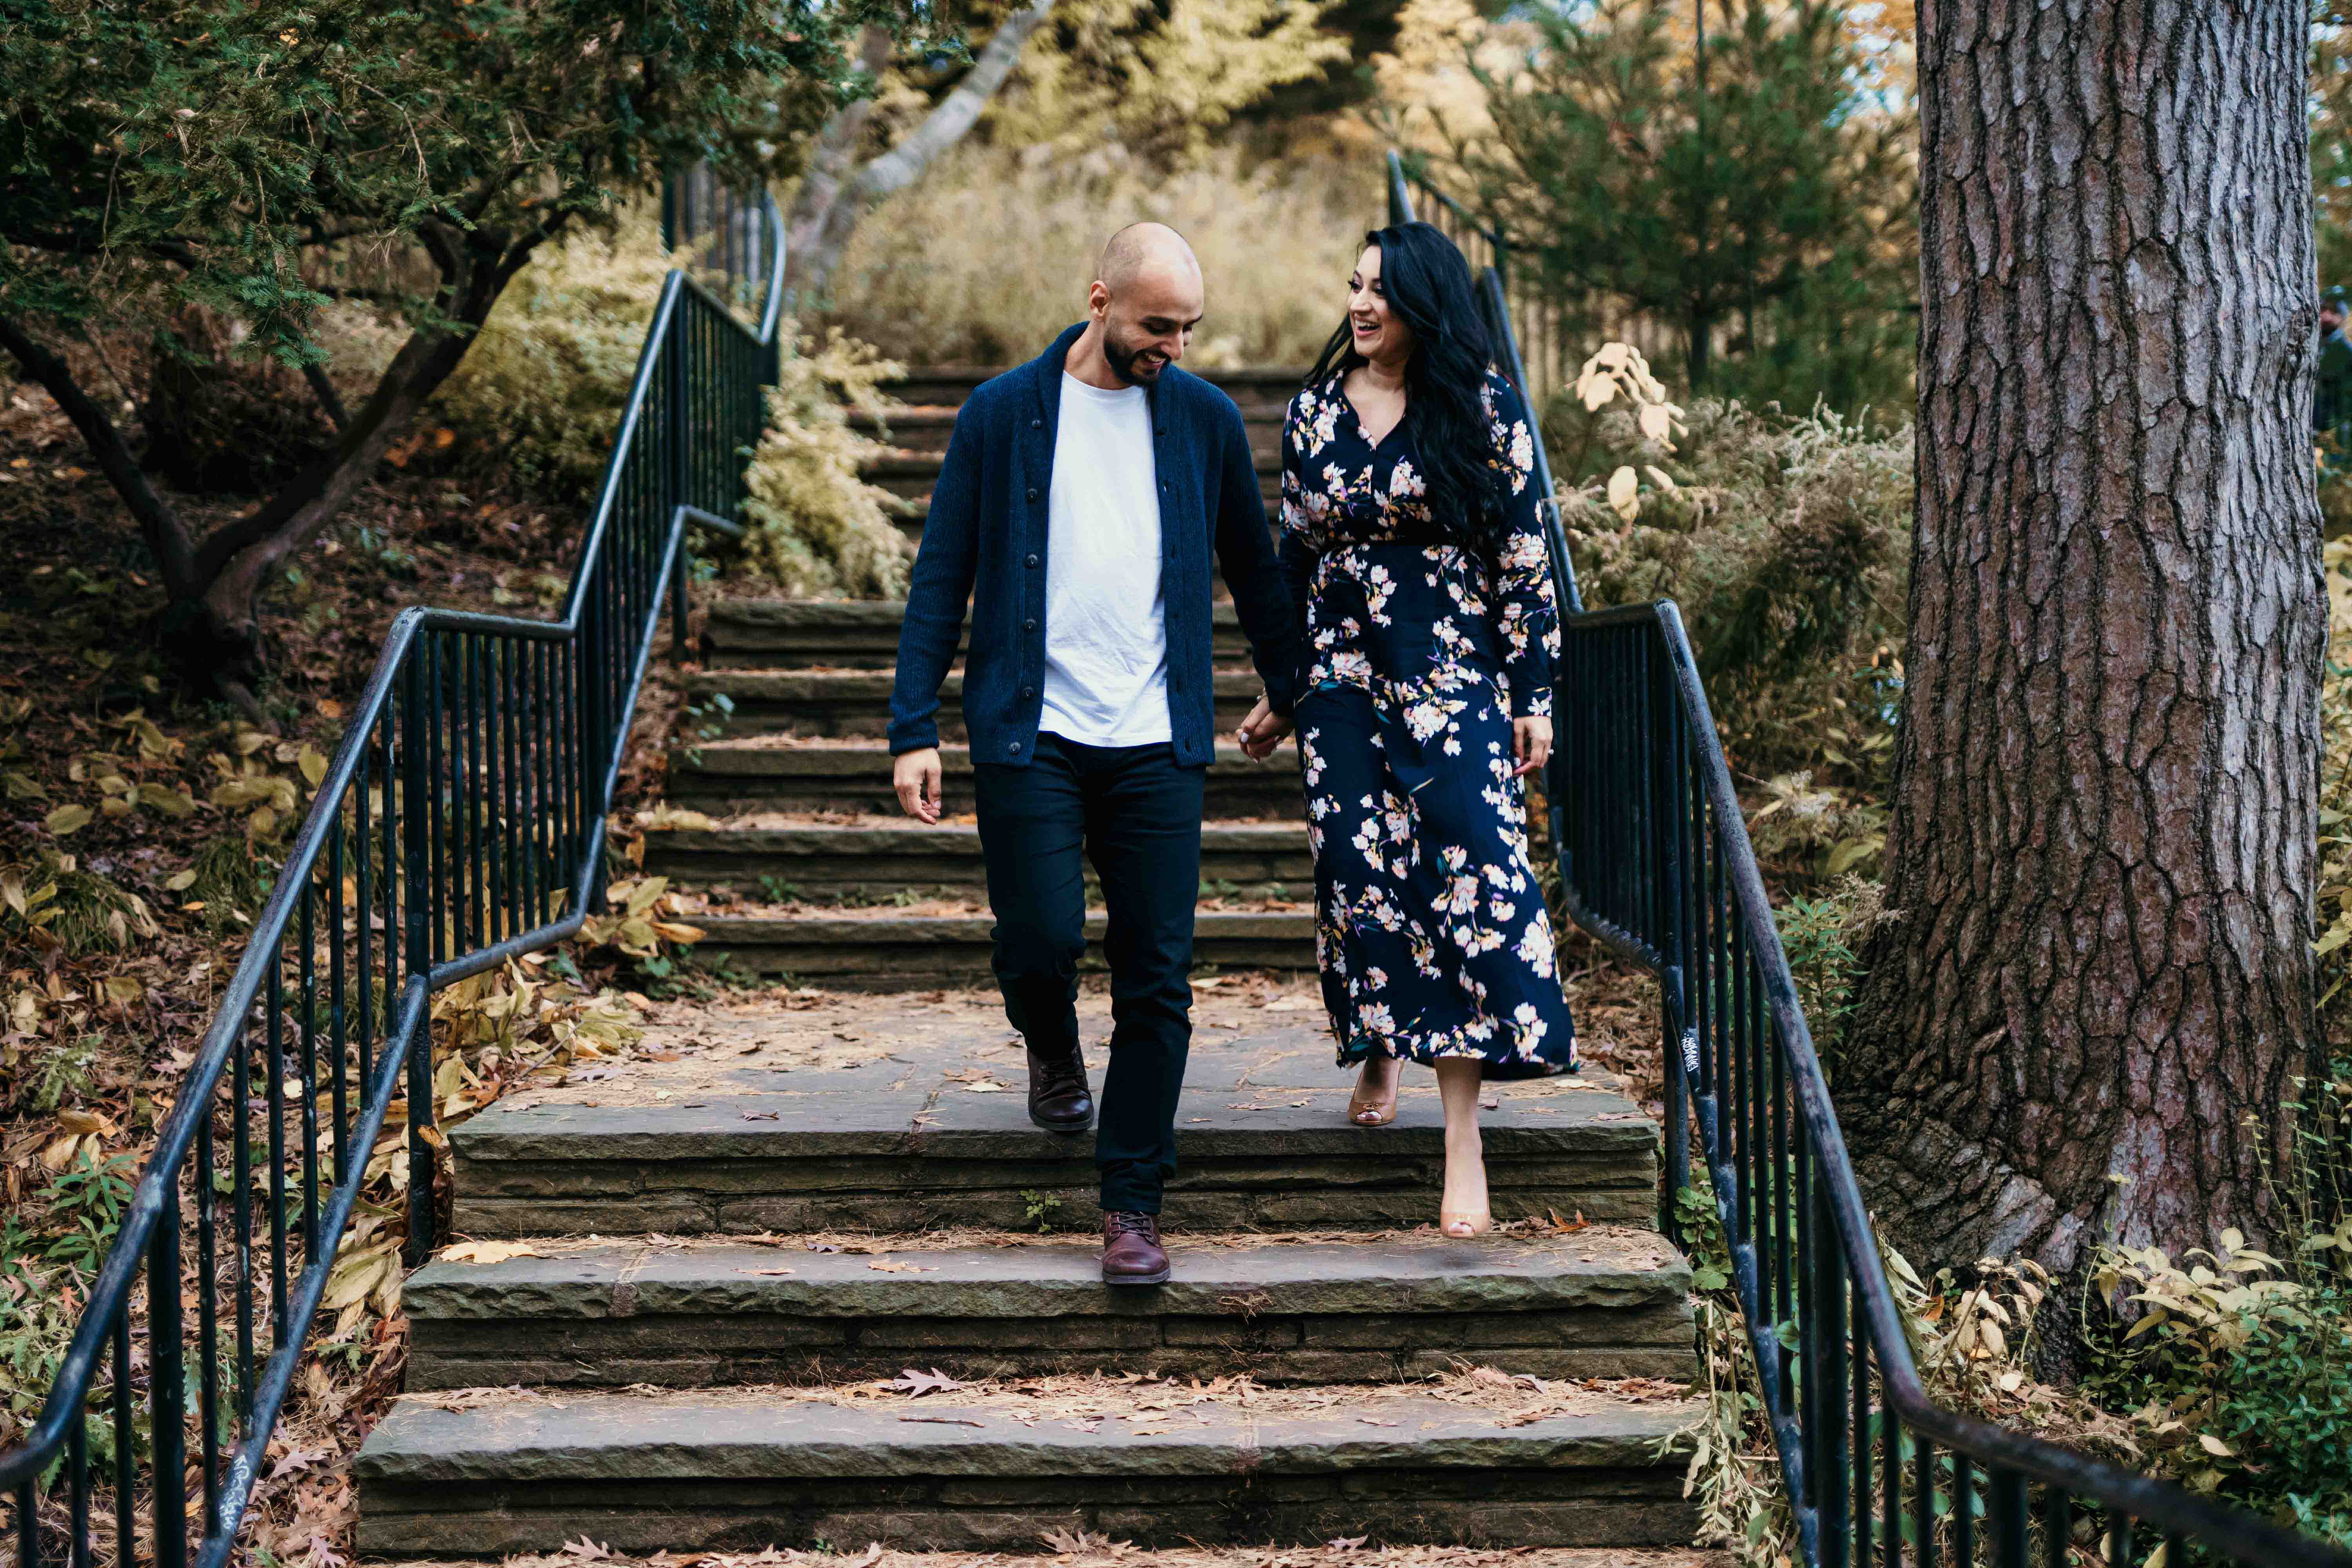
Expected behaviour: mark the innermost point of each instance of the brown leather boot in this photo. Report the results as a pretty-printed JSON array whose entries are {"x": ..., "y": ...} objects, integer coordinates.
[
  {"x": 1059, "y": 1100},
  {"x": 1131, "y": 1251}
]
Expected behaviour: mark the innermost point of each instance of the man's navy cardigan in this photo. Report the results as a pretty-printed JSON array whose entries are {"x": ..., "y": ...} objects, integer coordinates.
[{"x": 986, "y": 531}]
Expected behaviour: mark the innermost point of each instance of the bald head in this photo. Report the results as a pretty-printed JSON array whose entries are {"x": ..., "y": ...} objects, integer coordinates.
[
  {"x": 1143, "y": 250},
  {"x": 1144, "y": 304}
]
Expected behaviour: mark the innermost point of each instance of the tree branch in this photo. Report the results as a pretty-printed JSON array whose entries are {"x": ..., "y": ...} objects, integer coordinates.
[
  {"x": 946, "y": 125},
  {"x": 940, "y": 129},
  {"x": 330, "y": 401},
  {"x": 167, "y": 537},
  {"x": 828, "y": 168}
]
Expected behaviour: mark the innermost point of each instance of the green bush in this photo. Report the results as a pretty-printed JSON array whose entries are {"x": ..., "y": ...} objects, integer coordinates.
[
  {"x": 543, "y": 385},
  {"x": 1786, "y": 543}
]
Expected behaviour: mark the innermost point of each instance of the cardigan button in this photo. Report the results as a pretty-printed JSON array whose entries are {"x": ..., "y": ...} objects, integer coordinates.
[
  {"x": 1029, "y": 560},
  {"x": 1033, "y": 492},
  {"x": 1030, "y": 625},
  {"x": 1015, "y": 748},
  {"x": 1027, "y": 692},
  {"x": 1036, "y": 424}
]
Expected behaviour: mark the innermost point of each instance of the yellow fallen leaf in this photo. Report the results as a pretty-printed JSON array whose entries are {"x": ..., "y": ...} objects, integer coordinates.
[
  {"x": 67, "y": 819},
  {"x": 489, "y": 1251}
]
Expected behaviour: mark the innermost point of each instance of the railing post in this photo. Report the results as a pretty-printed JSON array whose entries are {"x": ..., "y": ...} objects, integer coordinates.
[
  {"x": 1671, "y": 777},
  {"x": 679, "y": 466},
  {"x": 423, "y": 907},
  {"x": 167, "y": 1389}
]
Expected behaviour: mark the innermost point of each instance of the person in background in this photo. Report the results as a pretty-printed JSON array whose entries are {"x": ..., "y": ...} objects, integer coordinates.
[{"x": 2332, "y": 397}]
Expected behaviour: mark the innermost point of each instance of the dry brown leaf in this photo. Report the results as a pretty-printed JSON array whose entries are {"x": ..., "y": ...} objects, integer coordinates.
[{"x": 489, "y": 1251}]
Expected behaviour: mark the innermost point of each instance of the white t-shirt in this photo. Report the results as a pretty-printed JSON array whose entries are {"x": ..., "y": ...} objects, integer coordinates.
[{"x": 1106, "y": 639}]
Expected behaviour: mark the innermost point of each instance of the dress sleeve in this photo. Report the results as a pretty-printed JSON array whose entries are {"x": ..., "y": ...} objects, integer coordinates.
[
  {"x": 1525, "y": 610},
  {"x": 1297, "y": 549}
]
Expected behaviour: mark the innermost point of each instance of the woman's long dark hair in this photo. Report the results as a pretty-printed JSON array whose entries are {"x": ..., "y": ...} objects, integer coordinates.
[{"x": 1428, "y": 286}]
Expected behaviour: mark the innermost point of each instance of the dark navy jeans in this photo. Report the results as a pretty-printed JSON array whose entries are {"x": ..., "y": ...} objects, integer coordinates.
[{"x": 1137, "y": 815}]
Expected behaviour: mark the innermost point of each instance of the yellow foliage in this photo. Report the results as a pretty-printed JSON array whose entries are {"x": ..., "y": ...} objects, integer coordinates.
[
  {"x": 1158, "y": 76},
  {"x": 812, "y": 525},
  {"x": 1274, "y": 243}
]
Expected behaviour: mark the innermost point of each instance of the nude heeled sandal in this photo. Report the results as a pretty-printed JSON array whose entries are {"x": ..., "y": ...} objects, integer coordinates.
[
  {"x": 1362, "y": 1112},
  {"x": 1463, "y": 1226}
]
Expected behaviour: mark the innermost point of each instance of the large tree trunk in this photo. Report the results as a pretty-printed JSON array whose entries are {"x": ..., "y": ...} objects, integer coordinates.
[{"x": 2085, "y": 1024}]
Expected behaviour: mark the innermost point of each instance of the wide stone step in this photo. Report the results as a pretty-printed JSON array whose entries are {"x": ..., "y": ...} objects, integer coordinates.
[
  {"x": 878, "y": 952},
  {"x": 850, "y": 634},
  {"x": 740, "y": 776},
  {"x": 518, "y": 1472},
  {"x": 1603, "y": 1304},
  {"x": 914, "y": 509},
  {"x": 911, "y": 1143},
  {"x": 913, "y": 474},
  {"x": 828, "y": 861},
  {"x": 927, "y": 429},
  {"x": 857, "y": 702},
  {"x": 1257, "y": 390}
]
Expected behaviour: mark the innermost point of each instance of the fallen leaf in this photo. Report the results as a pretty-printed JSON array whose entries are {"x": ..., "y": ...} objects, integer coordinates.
[
  {"x": 67, "y": 819},
  {"x": 489, "y": 1252},
  {"x": 586, "y": 1551},
  {"x": 943, "y": 1420},
  {"x": 763, "y": 1272},
  {"x": 759, "y": 1116},
  {"x": 921, "y": 1383},
  {"x": 890, "y": 1267},
  {"x": 1346, "y": 1543}
]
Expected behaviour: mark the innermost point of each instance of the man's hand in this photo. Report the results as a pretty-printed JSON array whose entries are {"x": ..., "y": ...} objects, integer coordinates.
[
  {"x": 916, "y": 776},
  {"x": 1261, "y": 732},
  {"x": 1531, "y": 745}
]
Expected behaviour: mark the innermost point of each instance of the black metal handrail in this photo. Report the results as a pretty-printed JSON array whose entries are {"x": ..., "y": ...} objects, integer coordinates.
[
  {"x": 459, "y": 824},
  {"x": 1654, "y": 862}
]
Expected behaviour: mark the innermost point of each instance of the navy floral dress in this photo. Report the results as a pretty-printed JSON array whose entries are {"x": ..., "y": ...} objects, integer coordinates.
[{"x": 1430, "y": 926}]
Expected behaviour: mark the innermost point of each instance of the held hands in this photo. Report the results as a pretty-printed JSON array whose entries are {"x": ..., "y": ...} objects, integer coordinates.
[
  {"x": 916, "y": 776},
  {"x": 1261, "y": 732},
  {"x": 1530, "y": 744}
]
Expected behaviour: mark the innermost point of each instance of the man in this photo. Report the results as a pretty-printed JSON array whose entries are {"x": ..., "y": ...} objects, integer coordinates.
[
  {"x": 2332, "y": 399},
  {"x": 1081, "y": 495}
]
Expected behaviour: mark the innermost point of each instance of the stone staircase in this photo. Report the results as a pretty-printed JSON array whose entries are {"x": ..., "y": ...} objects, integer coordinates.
[{"x": 802, "y": 1271}]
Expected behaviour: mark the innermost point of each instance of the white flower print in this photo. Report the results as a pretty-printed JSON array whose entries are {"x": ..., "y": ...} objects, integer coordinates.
[{"x": 1431, "y": 940}]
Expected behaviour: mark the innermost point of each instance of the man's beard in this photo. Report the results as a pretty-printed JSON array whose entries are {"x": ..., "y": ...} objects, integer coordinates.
[{"x": 1123, "y": 359}]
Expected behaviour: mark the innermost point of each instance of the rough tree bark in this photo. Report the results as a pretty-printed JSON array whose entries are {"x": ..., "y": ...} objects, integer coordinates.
[
  {"x": 2103, "y": 841},
  {"x": 833, "y": 197}
]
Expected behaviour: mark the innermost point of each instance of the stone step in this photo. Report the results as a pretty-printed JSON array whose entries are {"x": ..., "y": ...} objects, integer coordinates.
[
  {"x": 515, "y": 1472},
  {"x": 909, "y": 1143},
  {"x": 857, "y": 702},
  {"x": 880, "y": 951},
  {"x": 739, "y": 776},
  {"x": 1254, "y": 389},
  {"x": 822, "y": 862},
  {"x": 1606, "y": 1302},
  {"x": 927, "y": 429},
  {"x": 850, "y": 634},
  {"x": 913, "y": 509},
  {"x": 912, "y": 474}
]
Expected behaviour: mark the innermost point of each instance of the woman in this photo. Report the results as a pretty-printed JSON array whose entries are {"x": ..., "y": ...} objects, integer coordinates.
[{"x": 1412, "y": 544}]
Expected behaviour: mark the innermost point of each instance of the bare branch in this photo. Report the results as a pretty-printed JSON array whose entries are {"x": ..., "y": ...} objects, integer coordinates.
[
  {"x": 829, "y": 162},
  {"x": 904, "y": 163},
  {"x": 167, "y": 537},
  {"x": 945, "y": 125},
  {"x": 330, "y": 401}
]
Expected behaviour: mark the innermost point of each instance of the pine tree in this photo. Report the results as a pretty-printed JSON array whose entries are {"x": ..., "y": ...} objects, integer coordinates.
[{"x": 1750, "y": 188}]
